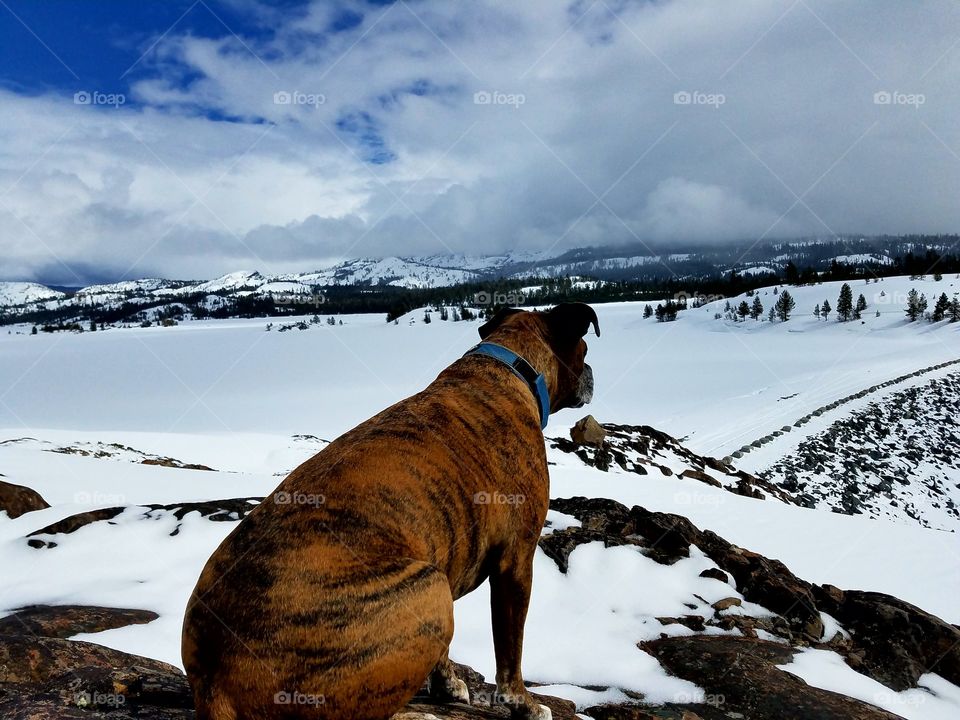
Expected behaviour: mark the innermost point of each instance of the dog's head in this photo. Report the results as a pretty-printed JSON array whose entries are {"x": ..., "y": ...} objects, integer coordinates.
[{"x": 552, "y": 342}]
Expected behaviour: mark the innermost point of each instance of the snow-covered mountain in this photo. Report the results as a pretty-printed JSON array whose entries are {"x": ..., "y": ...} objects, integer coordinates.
[{"x": 238, "y": 293}]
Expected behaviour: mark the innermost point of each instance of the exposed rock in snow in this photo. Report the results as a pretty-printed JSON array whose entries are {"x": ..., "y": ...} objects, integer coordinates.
[{"x": 898, "y": 458}]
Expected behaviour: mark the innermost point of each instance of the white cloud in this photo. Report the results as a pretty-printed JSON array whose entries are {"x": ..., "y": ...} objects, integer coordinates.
[{"x": 597, "y": 152}]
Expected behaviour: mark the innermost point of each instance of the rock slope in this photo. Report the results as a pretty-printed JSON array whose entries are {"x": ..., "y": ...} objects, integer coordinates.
[{"x": 898, "y": 458}]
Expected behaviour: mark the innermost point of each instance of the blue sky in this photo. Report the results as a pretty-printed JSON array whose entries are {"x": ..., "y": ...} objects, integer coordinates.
[
  {"x": 58, "y": 43},
  {"x": 189, "y": 139}
]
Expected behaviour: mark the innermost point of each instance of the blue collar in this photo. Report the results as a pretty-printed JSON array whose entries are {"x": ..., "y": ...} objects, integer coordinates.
[{"x": 523, "y": 370}]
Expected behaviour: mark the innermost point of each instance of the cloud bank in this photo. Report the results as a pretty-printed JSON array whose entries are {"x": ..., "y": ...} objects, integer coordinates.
[{"x": 361, "y": 129}]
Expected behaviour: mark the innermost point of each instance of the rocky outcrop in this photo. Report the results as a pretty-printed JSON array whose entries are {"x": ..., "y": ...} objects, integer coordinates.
[
  {"x": 887, "y": 639},
  {"x": 63, "y": 621},
  {"x": 897, "y": 458},
  {"x": 644, "y": 450},
  {"x": 15, "y": 500},
  {"x": 45, "y": 677},
  {"x": 740, "y": 675},
  {"x": 232, "y": 509}
]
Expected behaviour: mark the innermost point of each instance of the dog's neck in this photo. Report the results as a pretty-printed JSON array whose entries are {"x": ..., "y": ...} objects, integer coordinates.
[
  {"x": 536, "y": 351},
  {"x": 519, "y": 366}
]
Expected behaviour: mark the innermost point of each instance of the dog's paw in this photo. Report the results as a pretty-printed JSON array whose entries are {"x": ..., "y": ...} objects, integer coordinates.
[
  {"x": 450, "y": 689},
  {"x": 540, "y": 712},
  {"x": 533, "y": 711},
  {"x": 458, "y": 691}
]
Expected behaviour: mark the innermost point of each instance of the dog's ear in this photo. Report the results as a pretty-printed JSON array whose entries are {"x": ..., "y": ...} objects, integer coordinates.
[
  {"x": 571, "y": 321},
  {"x": 493, "y": 323}
]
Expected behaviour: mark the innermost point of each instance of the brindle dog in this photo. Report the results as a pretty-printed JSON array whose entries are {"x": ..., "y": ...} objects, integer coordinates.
[{"x": 333, "y": 599}]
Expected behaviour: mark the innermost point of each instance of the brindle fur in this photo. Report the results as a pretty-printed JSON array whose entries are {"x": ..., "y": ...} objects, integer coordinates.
[{"x": 346, "y": 604}]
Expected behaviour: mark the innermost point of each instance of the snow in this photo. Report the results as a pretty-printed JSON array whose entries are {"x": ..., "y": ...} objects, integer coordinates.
[
  {"x": 934, "y": 699},
  {"x": 253, "y": 404},
  {"x": 21, "y": 293},
  {"x": 864, "y": 259}
]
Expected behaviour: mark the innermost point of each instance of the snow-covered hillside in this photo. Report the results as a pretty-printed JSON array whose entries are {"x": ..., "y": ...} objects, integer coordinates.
[
  {"x": 221, "y": 409},
  {"x": 13, "y": 294}
]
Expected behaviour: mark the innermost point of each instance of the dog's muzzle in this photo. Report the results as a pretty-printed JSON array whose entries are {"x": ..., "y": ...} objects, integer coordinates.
[{"x": 584, "y": 393}]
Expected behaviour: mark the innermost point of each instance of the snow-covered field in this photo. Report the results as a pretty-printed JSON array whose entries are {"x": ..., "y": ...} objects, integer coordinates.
[{"x": 252, "y": 404}]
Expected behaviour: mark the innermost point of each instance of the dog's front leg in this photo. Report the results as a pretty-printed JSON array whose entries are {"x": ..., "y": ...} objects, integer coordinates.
[{"x": 509, "y": 598}]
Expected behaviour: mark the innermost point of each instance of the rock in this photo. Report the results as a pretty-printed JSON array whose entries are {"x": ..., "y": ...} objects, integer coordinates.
[
  {"x": 898, "y": 641},
  {"x": 716, "y": 574},
  {"x": 727, "y": 603},
  {"x": 16, "y": 500},
  {"x": 701, "y": 476},
  {"x": 740, "y": 679},
  {"x": 890, "y": 640},
  {"x": 217, "y": 510},
  {"x": 588, "y": 431},
  {"x": 63, "y": 621},
  {"x": 45, "y": 678}
]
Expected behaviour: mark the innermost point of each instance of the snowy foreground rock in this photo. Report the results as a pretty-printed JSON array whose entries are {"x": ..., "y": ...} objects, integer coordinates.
[{"x": 741, "y": 649}]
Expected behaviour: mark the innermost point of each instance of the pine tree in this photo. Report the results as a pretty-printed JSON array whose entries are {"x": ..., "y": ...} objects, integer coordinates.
[
  {"x": 791, "y": 274},
  {"x": 816, "y": 311},
  {"x": 756, "y": 310},
  {"x": 955, "y": 309},
  {"x": 785, "y": 305},
  {"x": 916, "y": 305},
  {"x": 647, "y": 310},
  {"x": 825, "y": 309},
  {"x": 743, "y": 310},
  {"x": 772, "y": 316},
  {"x": 861, "y": 306},
  {"x": 845, "y": 303},
  {"x": 941, "y": 308}
]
